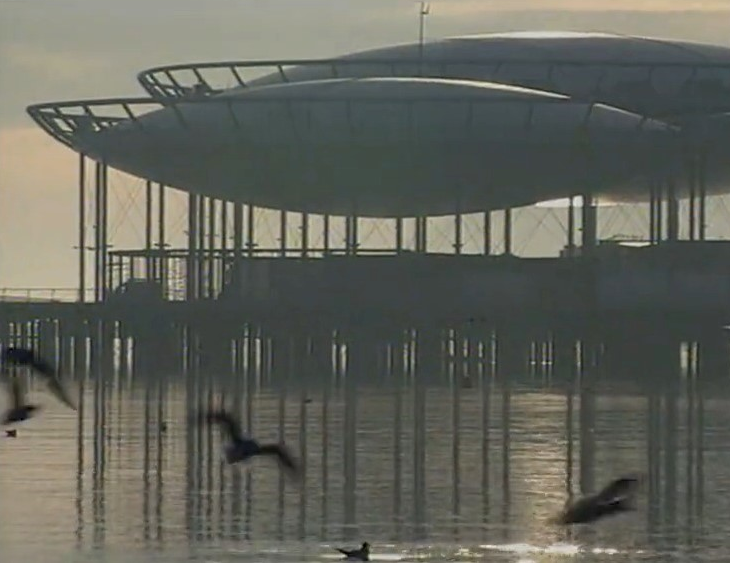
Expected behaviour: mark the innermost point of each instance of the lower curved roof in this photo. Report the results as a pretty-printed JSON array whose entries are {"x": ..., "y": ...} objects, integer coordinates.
[{"x": 376, "y": 146}]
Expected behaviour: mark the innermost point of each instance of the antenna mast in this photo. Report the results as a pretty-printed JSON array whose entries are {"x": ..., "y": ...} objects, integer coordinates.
[{"x": 423, "y": 11}]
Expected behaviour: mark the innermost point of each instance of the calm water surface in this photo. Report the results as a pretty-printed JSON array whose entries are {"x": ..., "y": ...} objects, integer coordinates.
[{"x": 433, "y": 473}]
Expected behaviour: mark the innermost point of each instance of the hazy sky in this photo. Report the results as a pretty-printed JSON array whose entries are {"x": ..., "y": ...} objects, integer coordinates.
[{"x": 65, "y": 49}]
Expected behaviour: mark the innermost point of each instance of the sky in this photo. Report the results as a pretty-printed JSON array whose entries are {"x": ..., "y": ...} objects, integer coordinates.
[{"x": 65, "y": 49}]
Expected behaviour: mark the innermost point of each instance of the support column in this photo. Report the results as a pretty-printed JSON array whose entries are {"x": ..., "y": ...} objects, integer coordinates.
[
  {"x": 702, "y": 190},
  {"x": 223, "y": 256},
  {"x": 399, "y": 235},
  {"x": 571, "y": 224},
  {"x": 82, "y": 228},
  {"x": 162, "y": 264},
  {"x": 692, "y": 188},
  {"x": 458, "y": 242},
  {"x": 237, "y": 230},
  {"x": 149, "y": 273},
  {"x": 104, "y": 228},
  {"x": 250, "y": 231},
  {"x": 351, "y": 235},
  {"x": 211, "y": 249},
  {"x": 305, "y": 235},
  {"x": 191, "y": 266},
  {"x": 672, "y": 212},
  {"x": 487, "y": 224},
  {"x": 282, "y": 233},
  {"x": 200, "y": 270},
  {"x": 589, "y": 223},
  {"x": 508, "y": 231},
  {"x": 326, "y": 234},
  {"x": 421, "y": 234}
]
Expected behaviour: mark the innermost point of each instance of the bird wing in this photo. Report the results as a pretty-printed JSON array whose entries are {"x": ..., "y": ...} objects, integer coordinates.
[
  {"x": 227, "y": 421},
  {"x": 55, "y": 387},
  {"x": 285, "y": 458},
  {"x": 344, "y": 551},
  {"x": 618, "y": 490}
]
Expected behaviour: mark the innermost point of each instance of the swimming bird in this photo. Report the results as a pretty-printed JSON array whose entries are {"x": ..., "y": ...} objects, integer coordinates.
[
  {"x": 616, "y": 497},
  {"x": 362, "y": 554},
  {"x": 26, "y": 357},
  {"x": 19, "y": 410},
  {"x": 241, "y": 448}
]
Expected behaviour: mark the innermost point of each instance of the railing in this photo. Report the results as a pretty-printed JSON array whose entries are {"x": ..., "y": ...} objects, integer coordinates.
[
  {"x": 68, "y": 121},
  {"x": 612, "y": 80},
  {"x": 65, "y": 120},
  {"x": 43, "y": 294}
]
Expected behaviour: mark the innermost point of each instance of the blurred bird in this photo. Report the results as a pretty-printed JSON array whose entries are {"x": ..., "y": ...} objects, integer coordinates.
[
  {"x": 617, "y": 497},
  {"x": 26, "y": 357},
  {"x": 19, "y": 410},
  {"x": 362, "y": 554},
  {"x": 241, "y": 448}
]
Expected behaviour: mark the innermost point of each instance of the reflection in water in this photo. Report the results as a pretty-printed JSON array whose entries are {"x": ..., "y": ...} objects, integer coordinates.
[{"x": 458, "y": 450}]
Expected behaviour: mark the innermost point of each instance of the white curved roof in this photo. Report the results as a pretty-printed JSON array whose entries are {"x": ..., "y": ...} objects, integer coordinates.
[
  {"x": 552, "y": 44},
  {"x": 394, "y": 88}
]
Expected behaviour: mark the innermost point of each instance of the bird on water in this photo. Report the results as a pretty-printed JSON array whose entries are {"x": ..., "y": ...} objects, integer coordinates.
[
  {"x": 26, "y": 357},
  {"x": 240, "y": 448},
  {"x": 362, "y": 554},
  {"x": 617, "y": 497}
]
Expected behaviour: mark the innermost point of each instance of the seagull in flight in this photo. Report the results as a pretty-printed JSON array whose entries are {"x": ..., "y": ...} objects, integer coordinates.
[
  {"x": 19, "y": 410},
  {"x": 615, "y": 498},
  {"x": 362, "y": 554},
  {"x": 241, "y": 448},
  {"x": 26, "y": 357}
]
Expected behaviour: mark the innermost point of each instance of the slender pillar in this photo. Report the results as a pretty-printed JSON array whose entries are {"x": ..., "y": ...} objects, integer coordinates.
[
  {"x": 162, "y": 261},
  {"x": 351, "y": 234},
  {"x": 702, "y": 191},
  {"x": 200, "y": 270},
  {"x": 589, "y": 223},
  {"x": 149, "y": 274},
  {"x": 223, "y": 256},
  {"x": 421, "y": 234},
  {"x": 399, "y": 235},
  {"x": 457, "y": 232},
  {"x": 305, "y": 234},
  {"x": 487, "y": 221},
  {"x": 104, "y": 228},
  {"x": 82, "y": 228},
  {"x": 282, "y": 232},
  {"x": 508, "y": 231},
  {"x": 326, "y": 234},
  {"x": 211, "y": 248},
  {"x": 191, "y": 266},
  {"x": 692, "y": 188},
  {"x": 571, "y": 223},
  {"x": 672, "y": 212},
  {"x": 250, "y": 231},
  {"x": 237, "y": 230}
]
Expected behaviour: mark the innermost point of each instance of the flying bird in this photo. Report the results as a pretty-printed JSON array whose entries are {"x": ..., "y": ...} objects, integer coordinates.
[
  {"x": 241, "y": 448},
  {"x": 615, "y": 498},
  {"x": 19, "y": 410},
  {"x": 362, "y": 554},
  {"x": 26, "y": 357}
]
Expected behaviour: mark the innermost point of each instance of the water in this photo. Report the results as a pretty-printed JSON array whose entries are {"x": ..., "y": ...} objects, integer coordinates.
[{"x": 413, "y": 472}]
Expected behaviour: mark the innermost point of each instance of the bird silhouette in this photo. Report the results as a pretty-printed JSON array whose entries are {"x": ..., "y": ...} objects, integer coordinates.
[
  {"x": 615, "y": 498},
  {"x": 19, "y": 410},
  {"x": 362, "y": 554},
  {"x": 240, "y": 448},
  {"x": 26, "y": 357}
]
